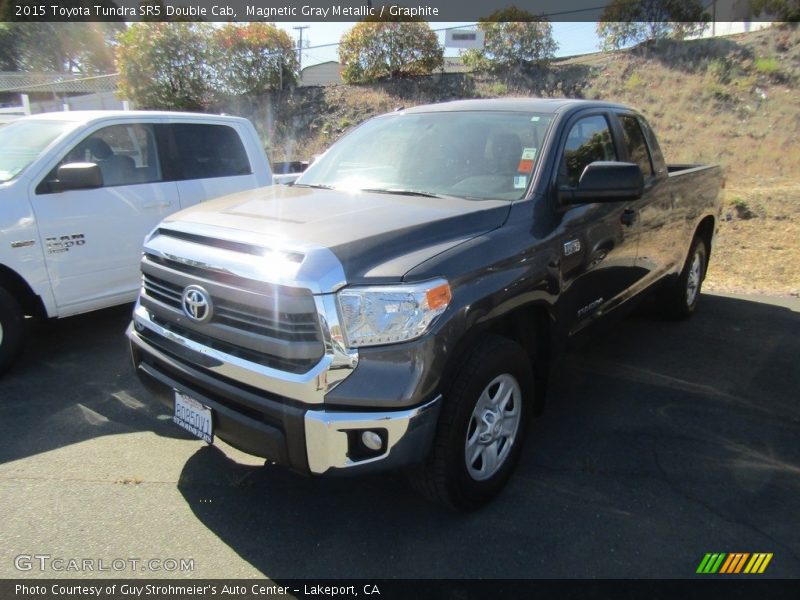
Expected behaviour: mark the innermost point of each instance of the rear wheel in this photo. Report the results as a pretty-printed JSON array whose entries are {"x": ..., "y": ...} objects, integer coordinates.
[
  {"x": 679, "y": 299},
  {"x": 481, "y": 427},
  {"x": 11, "y": 323}
]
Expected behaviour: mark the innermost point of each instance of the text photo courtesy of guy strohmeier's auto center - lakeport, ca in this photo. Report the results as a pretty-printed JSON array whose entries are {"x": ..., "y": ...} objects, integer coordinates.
[{"x": 440, "y": 300}]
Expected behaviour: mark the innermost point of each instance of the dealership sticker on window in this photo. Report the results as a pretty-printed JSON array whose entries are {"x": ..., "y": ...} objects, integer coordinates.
[
  {"x": 520, "y": 182},
  {"x": 526, "y": 161}
]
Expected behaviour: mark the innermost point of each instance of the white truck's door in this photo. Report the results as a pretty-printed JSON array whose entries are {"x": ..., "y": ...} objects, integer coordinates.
[{"x": 92, "y": 238}]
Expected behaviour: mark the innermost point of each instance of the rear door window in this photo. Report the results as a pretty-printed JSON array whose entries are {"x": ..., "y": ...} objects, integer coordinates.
[
  {"x": 636, "y": 145},
  {"x": 206, "y": 151}
]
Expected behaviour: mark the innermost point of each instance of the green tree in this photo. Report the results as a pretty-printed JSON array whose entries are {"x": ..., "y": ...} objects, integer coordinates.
[
  {"x": 84, "y": 48},
  {"x": 253, "y": 58},
  {"x": 782, "y": 10},
  {"x": 166, "y": 65},
  {"x": 513, "y": 38},
  {"x": 74, "y": 47},
  {"x": 9, "y": 50},
  {"x": 626, "y": 22},
  {"x": 373, "y": 50}
]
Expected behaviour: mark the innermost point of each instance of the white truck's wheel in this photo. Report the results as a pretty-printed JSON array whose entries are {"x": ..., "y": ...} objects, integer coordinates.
[{"x": 11, "y": 322}]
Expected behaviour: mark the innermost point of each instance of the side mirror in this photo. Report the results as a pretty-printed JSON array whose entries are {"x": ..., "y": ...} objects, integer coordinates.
[
  {"x": 77, "y": 176},
  {"x": 605, "y": 181}
]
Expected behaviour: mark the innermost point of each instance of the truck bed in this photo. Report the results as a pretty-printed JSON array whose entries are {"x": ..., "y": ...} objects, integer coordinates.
[{"x": 681, "y": 169}]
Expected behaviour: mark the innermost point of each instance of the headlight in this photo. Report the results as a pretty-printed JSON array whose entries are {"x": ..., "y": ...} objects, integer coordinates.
[{"x": 391, "y": 313}]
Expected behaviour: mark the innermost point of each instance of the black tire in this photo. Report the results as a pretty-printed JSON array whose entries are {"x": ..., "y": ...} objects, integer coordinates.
[
  {"x": 11, "y": 324},
  {"x": 447, "y": 477},
  {"x": 679, "y": 299}
]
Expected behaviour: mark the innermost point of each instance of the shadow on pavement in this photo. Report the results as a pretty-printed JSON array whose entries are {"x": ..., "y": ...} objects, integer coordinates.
[
  {"x": 661, "y": 442},
  {"x": 74, "y": 382}
]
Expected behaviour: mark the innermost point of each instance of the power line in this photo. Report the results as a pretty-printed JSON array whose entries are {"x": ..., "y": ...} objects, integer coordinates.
[{"x": 300, "y": 45}]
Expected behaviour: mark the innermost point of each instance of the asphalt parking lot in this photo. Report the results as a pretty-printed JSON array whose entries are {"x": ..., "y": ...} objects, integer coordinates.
[{"x": 661, "y": 442}]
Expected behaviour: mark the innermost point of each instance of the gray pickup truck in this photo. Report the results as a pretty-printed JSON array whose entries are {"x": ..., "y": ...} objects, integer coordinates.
[{"x": 400, "y": 305}]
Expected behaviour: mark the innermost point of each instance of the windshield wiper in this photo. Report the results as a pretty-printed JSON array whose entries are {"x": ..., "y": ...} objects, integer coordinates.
[
  {"x": 398, "y": 191},
  {"x": 401, "y": 192},
  {"x": 317, "y": 186}
]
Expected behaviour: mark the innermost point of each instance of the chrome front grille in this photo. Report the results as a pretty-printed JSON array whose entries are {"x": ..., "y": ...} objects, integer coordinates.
[
  {"x": 264, "y": 321},
  {"x": 273, "y": 326},
  {"x": 294, "y": 328},
  {"x": 162, "y": 290}
]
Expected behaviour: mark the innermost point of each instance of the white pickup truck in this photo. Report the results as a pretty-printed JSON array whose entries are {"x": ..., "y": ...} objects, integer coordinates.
[{"x": 80, "y": 190}]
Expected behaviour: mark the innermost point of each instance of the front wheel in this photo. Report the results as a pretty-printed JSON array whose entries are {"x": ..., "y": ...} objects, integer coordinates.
[
  {"x": 11, "y": 323},
  {"x": 481, "y": 427}
]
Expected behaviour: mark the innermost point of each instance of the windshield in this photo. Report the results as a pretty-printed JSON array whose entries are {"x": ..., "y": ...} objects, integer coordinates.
[
  {"x": 22, "y": 141},
  {"x": 476, "y": 155}
]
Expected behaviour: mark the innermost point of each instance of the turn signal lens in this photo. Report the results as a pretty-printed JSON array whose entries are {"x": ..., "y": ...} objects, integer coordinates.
[{"x": 439, "y": 296}]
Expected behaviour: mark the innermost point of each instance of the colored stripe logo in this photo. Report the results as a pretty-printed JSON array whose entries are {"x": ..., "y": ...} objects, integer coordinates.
[{"x": 733, "y": 563}]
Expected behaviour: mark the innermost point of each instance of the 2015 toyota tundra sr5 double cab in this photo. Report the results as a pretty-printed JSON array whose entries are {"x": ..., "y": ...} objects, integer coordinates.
[{"x": 399, "y": 305}]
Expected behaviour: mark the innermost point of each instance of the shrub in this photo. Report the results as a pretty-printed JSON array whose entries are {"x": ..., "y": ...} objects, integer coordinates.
[{"x": 767, "y": 65}]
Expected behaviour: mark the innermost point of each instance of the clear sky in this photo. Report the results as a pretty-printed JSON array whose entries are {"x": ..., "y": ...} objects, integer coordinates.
[{"x": 572, "y": 38}]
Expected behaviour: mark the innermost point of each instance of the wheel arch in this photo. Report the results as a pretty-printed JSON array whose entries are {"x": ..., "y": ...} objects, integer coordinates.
[
  {"x": 705, "y": 230},
  {"x": 530, "y": 326},
  {"x": 18, "y": 287}
]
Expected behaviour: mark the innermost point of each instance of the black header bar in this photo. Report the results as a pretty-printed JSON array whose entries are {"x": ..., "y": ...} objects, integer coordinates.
[
  {"x": 328, "y": 10},
  {"x": 701, "y": 587}
]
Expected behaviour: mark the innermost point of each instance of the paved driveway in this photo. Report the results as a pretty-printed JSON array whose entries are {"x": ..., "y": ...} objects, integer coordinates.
[{"x": 661, "y": 442}]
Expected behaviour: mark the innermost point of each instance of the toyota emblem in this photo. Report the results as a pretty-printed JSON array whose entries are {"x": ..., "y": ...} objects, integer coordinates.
[{"x": 196, "y": 304}]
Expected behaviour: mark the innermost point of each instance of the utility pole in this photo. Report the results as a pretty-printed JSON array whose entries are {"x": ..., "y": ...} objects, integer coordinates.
[
  {"x": 713, "y": 18},
  {"x": 300, "y": 47}
]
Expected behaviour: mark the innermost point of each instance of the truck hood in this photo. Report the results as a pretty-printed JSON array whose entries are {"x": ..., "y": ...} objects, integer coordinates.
[{"x": 373, "y": 236}]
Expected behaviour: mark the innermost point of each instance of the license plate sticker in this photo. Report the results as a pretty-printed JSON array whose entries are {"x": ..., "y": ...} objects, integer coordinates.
[{"x": 193, "y": 417}]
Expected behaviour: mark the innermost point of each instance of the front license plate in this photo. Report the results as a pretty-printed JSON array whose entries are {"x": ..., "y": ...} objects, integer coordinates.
[{"x": 193, "y": 417}]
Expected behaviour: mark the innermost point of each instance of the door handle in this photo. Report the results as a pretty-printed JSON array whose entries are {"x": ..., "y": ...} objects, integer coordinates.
[
  {"x": 628, "y": 217},
  {"x": 156, "y": 205}
]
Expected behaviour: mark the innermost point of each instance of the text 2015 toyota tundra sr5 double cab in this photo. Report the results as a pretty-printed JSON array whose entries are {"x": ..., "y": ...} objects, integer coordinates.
[{"x": 398, "y": 306}]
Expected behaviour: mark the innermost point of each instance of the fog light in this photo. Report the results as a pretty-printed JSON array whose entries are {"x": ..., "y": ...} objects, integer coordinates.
[{"x": 371, "y": 440}]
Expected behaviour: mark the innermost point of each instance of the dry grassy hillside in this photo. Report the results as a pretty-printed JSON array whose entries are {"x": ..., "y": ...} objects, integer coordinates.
[{"x": 731, "y": 101}]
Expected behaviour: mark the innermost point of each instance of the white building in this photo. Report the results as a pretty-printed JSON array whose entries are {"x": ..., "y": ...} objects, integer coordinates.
[
  {"x": 733, "y": 16},
  {"x": 326, "y": 73}
]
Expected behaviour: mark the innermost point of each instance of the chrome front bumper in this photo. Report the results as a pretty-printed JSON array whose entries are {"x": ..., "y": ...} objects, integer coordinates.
[
  {"x": 407, "y": 435},
  {"x": 331, "y": 436}
]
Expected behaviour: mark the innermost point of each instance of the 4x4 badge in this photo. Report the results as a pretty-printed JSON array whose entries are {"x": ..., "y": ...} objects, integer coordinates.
[{"x": 571, "y": 247}]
